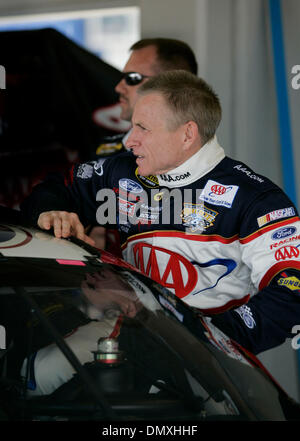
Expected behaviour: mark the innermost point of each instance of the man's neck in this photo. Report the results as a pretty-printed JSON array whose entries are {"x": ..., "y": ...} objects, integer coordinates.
[{"x": 196, "y": 166}]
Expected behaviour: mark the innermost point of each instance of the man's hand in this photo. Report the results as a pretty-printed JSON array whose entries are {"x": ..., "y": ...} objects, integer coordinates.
[{"x": 64, "y": 224}]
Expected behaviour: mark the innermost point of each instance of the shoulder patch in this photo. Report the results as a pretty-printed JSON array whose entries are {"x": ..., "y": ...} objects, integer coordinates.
[
  {"x": 243, "y": 169},
  {"x": 292, "y": 283},
  {"x": 275, "y": 215},
  {"x": 219, "y": 194},
  {"x": 109, "y": 148}
]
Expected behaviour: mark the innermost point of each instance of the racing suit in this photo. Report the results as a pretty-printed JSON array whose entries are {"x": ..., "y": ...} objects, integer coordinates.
[
  {"x": 219, "y": 236},
  {"x": 111, "y": 145}
]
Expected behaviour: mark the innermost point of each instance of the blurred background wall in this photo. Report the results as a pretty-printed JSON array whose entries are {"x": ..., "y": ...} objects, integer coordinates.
[{"x": 233, "y": 43}]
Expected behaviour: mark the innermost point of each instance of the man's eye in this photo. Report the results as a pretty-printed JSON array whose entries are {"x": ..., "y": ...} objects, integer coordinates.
[{"x": 141, "y": 127}]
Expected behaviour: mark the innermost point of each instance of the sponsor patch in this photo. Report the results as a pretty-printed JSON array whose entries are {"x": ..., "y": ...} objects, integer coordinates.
[
  {"x": 287, "y": 252},
  {"x": 275, "y": 215},
  {"x": 149, "y": 214},
  {"x": 283, "y": 232},
  {"x": 291, "y": 283},
  {"x": 246, "y": 315},
  {"x": 218, "y": 194},
  {"x": 154, "y": 209},
  {"x": 130, "y": 185},
  {"x": 85, "y": 171},
  {"x": 146, "y": 216},
  {"x": 124, "y": 194},
  {"x": 98, "y": 167},
  {"x": 148, "y": 181},
  {"x": 107, "y": 149},
  {"x": 175, "y": 178},
  {"x": 284, "y": 241},
  {"x": 126, "y": 207},
  {"x": 249, "y": 173},
  {"x": 197, "y": 217},
  {"x": 178, "y": 273}
]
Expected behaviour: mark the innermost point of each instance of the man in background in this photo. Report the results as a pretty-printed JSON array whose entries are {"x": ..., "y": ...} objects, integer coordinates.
[{"x": 149, "y": 57}]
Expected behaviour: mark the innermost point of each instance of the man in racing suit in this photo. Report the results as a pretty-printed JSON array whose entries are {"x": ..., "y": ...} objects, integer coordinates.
[{"x": 219, "y": 236}]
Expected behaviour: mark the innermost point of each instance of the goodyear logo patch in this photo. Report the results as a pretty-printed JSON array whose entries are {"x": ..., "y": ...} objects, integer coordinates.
[
  {"x": 148, "y": 181},
  {"x": 197, "y": 217},
  {"x": 107, "y": 149},
  {"x": 290, "y": 282}
]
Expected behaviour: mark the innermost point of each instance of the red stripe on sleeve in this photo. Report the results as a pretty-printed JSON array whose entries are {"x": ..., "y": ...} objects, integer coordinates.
[
  {"x": 267, "y": 229},
  {"x": 232, "y": 304}
]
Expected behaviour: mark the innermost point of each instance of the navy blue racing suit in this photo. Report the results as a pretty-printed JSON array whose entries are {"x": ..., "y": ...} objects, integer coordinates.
[{"x": 228, "y": 247}]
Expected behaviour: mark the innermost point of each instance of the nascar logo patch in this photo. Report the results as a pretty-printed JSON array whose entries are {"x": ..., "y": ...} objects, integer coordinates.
[{"x": 274, "y": 215}]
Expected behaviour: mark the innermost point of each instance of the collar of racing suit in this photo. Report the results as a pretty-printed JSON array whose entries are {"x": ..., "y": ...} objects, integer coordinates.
[{"x": 195, "y": 167}]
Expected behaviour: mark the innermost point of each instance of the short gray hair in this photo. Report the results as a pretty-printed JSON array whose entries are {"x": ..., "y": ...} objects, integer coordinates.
[{"x": 190, "y": 98}]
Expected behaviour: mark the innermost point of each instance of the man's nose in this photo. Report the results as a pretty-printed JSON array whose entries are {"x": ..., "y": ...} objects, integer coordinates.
[
  {"x": 120, "y": 86},
  {"x": 131, "y": 141}
]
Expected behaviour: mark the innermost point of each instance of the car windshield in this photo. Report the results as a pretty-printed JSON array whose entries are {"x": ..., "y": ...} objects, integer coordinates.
[{"x": 158, "y": 337}]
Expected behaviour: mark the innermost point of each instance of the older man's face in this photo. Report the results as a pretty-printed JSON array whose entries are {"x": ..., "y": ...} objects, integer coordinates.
[
  {"x": 143, "y": 61},
  {"x": 157, "y": 148}
]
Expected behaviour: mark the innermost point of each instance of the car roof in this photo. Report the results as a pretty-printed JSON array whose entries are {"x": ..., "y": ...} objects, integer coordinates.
[{"x": 19, "y": 241}]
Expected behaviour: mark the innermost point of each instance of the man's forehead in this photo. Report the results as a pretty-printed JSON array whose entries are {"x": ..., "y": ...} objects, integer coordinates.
[
  {"x": 154, "y": 99},
  {"x": 150, "y": 106},
  {"x": 142, "y": 60}
]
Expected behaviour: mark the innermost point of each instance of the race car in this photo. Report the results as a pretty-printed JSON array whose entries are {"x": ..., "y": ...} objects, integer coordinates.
[{"x": 159, "y": 359}]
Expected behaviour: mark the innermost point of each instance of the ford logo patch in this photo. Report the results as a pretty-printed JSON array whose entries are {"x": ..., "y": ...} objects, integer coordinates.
[
  {"x": 131, "y": 186},
  {"x": 283, "y": 232}
]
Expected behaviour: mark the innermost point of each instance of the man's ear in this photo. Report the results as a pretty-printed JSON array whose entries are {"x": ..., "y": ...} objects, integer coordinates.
[{"x": 190, "y": 135}]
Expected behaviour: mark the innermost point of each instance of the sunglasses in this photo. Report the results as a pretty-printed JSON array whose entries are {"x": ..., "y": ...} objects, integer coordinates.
[{"x": 133, "y": 78}]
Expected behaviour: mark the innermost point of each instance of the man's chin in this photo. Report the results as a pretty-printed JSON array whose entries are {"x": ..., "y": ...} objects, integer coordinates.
[
  {"x": 125, "y": 114},
  {"x": 143, "y": 172}
]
